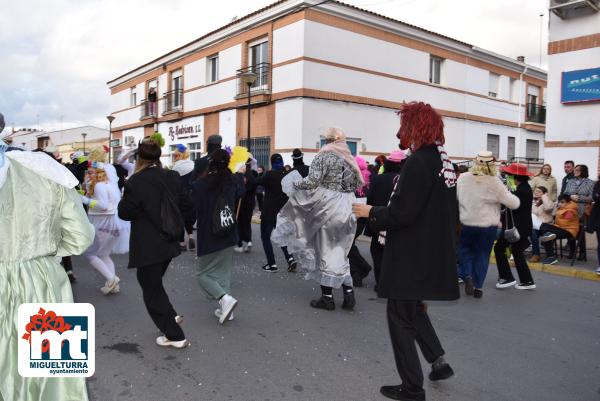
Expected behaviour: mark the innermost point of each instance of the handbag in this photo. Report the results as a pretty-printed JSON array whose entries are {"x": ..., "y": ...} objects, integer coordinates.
[{"x": 511, "y": 234}]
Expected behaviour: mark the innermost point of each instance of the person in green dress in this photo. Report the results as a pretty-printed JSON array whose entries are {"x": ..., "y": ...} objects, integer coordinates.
[{"x": 41, "y": 219}]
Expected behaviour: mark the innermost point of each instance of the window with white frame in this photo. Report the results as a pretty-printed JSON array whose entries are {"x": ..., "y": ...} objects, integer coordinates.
[
  {"x": 212, "y": 68},
  {"x": 494, "y": 82},
  {"x": 194, "y": 148},
  {"x": 258, "y": 57},
  {"x": 435, "y": 69},
  {"x": 493, "y": 145},
  {"x": 132, "y": 97}
]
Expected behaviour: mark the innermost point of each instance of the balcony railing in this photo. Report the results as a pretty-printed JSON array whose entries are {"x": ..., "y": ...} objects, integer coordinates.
[
  {"x": 148, "y": 109},
  {"x": 261, "y": 85},
  {"x": 173, "y": 101},
  {"x": 536, "y": 113}
]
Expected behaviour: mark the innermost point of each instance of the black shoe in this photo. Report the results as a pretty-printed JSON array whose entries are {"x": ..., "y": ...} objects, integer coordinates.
[
  {"x": 292, "y": 264},
  {"x": 270, "y": 268},
  {"x": 323, "y": 303},
  {"x": 399, "y": 393},
  {"x": 441, "y": 372},
  {"x": 191, "y": 244},
  {"x": 71, "y": 276},
  {"x": 357, "y": 281},
  {"x": 349, "y": 300},
  {"x": 469, "y": 286},
  {"x": 477, "y": 293}
]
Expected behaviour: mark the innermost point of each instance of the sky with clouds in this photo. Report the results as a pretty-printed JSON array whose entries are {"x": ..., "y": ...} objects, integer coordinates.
[{"x": 57, "y": 55}]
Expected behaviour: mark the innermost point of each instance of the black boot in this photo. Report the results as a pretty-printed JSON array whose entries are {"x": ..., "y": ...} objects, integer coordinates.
[
  {"x": 349, "y": 300},
  {"x": 324, "y": 302}
]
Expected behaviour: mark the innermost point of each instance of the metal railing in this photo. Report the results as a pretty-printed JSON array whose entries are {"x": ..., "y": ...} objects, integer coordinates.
[
  {"x": 536, "y": 113},
  {"x": 173, "y": 100},
  {"x": 261, "y": 84},
  {"x": 148, "y": 109}
]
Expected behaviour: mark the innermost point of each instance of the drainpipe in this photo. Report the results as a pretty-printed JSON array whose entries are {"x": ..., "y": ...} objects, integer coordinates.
[{"x": 518, "y": 143}]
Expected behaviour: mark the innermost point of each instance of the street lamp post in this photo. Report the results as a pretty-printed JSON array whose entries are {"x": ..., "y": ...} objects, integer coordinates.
[
  {"x": 83, "y": 134},
  {"x": 249, "y": 77},
  {"x": 110, "y": 120}
]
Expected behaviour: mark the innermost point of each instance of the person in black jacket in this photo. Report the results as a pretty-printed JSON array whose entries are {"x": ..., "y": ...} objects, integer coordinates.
[
  {"x": 298, "y": 162},
  {"x": 419, "y": 259},
  {"x": 275, "y": 198},
  {"x": 569, "y": 167},
  {"x": 247, "y": 204},
  {"x": 593, "y": 223},
  {"x": 213, "y": 143},
  {"x": 217, "y": 192},
  {"x": 381, "y": 188},
  {"x": 150, "y": 250},
  {"x": 517, "y": 177}
]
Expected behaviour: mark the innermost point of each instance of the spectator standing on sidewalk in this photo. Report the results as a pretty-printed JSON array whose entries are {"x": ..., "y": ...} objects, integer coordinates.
[
  {"x": 594, "y": 219},
  {"x": 544, "y": 178},
  {"x": 568, "y": 167},
  {"x": 151, "y": 247},
  {"x": 580, "y": 189},
  {"x": 517, "y": 177},
  {"x": 480, "y": 196}
]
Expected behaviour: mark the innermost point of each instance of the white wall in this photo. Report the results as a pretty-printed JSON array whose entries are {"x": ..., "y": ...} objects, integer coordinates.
[
  {"x": 573, "y": 27},
  {"x": 227, "y": 127},
  {"x": 194, "y": 74},
  {"x": 209, "y": 96},
  {"x": 577, "y": 121},
  {"x": 137, "y": 133},
  {"x": 287, "y": 77},
  {"x": 288, "y": 42},
  {"x": 230, "y": 60},
  {"x": 345, "y": 47},
  {"x": 289, "y": 118}
]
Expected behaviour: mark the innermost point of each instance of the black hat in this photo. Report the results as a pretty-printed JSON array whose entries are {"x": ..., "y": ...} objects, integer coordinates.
[
  {"x": 297, "y": 154},
  {"x": 276, "y": 157},
  {"x": 215, "y": 140}
]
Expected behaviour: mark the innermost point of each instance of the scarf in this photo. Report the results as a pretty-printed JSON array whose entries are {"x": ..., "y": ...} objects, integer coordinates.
[{"x": 447, "y": 171}]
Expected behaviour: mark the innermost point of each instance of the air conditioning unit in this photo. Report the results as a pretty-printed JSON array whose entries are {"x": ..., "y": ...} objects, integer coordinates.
[
  {"x": 574, "y": 8},
  {"x": 129, "y": 140}
]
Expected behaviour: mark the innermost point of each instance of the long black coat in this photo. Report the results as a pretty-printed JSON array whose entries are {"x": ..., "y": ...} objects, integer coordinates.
[
  {"x": 419, "y": 259},
  {"x": 141, "y": 203},
  {"x": 593, "y": 223},
  {"x": 522, "y": 215},
  {"x": 275, "y": 198}
]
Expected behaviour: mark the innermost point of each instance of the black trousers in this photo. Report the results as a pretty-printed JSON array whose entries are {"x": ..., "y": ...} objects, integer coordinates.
[
  {"x": 359, "y": 267},
  {"x": 560, "y": 234},
  {"x": 260, "y": 197},
  {"x": 157, "y": 301},
  {"x": 408, "y": 322},
  {"x": 244, "y": 222},
  {"x": 266, "y": 228},
  {"x": 518, "y": 251},
  {"x": 377, "y": 255}
]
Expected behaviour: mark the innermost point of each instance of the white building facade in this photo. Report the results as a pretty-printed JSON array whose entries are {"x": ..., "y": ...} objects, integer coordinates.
[
  {"x": 573, "y": 131},
  {"x": 330, "y": 65}
]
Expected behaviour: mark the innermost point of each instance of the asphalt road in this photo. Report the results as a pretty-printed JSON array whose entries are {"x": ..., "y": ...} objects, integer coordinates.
[{"x": 510, "y": 345}]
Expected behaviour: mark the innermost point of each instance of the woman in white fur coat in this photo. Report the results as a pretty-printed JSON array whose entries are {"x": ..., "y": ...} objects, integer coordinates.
[{"x": 480, "y": 195}]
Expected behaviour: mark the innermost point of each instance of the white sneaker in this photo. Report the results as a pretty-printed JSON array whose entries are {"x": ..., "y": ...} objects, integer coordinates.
[
  {"x": 163, "y": 341},
  {"x": 247, "y": 246},
  {"x": 598, "y": 271},
  {"x": 218, "y": 314},
  {"x": 227, "y": 304},
  {"x": 238, "y": 249},
  {"x": 178, "y": 319},
  {"x": 502, "y": 283},
  {"x": 525, "y": 286},
  {"x": 111, "y": 286}
]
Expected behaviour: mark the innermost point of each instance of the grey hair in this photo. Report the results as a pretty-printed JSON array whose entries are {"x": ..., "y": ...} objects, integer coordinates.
[{"x": 334, "y": 134}]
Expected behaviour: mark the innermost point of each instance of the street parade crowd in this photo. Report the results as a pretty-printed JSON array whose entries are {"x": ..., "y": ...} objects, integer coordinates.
[{"x": 432, "y": 226}]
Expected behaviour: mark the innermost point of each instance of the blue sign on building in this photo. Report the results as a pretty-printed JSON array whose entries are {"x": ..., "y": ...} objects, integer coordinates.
[{"x": 580, "y": 86}]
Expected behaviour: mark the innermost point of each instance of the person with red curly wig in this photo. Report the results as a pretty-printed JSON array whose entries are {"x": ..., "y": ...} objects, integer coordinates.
[{"x": 419, "y": 258}]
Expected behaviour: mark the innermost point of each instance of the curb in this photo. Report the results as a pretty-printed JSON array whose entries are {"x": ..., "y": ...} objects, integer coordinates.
[{"x": 557, "y": 270}]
